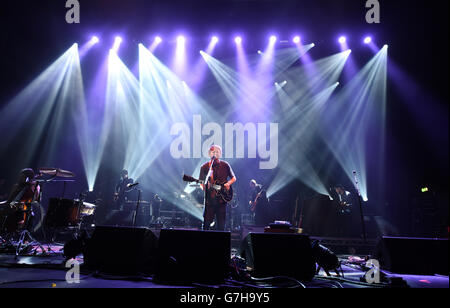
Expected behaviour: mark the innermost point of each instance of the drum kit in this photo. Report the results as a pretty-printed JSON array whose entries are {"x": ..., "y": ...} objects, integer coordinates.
[{"x": 20, "y": 219}]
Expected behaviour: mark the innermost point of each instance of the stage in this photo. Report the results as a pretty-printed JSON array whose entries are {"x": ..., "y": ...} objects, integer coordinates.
[
  {"x": 34, "y": 269},
  {"x": 224, "y": 145}
]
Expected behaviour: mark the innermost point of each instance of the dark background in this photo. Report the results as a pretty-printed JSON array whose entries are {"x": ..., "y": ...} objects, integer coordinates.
[{"x": 35, "y": 33}]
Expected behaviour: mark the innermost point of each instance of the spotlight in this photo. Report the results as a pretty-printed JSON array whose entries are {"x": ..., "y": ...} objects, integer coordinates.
[
  {"x": 181, "y": 39},
  {"x": 238, "y": 40},
  {"x": 273, "y": 39},
  {"x": 158, "y": 39},
  {"x": 214, "y": 39},
  {"x": 325, "y": 258},
  {"x": 259, "y": 52},
  {"x": 296, "y": 39},
  {"x": 117, "y": 42},
  {"x": 367, "y": 40},
  {"x": 342, "y": 39},
  {"x": 95, "y": 39}
]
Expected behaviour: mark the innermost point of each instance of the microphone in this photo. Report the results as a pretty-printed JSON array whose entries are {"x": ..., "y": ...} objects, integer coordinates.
[{"x": 132, "y": 185}]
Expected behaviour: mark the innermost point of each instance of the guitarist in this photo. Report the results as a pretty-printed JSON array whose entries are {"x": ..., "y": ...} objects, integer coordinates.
[
  {"x": 258, "y": 203},
  {"x": 222, "y": 174},
  {"x": 122, "y": 189}
]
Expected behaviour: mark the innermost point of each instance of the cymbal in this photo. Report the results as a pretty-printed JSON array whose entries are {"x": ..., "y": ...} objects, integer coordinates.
[{"x": 57, "y": 172}]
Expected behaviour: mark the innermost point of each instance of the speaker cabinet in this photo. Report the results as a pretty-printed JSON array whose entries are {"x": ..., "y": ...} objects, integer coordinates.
[
  {"x": 193, "y": 256},
  {"x": 279, "y": 254},
  {"x": 121, "y": 250},
  {"x": 405, "y": 255}
]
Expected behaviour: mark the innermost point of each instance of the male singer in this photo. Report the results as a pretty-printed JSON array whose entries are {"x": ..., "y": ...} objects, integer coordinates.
[{"x": 218, "y": 172}]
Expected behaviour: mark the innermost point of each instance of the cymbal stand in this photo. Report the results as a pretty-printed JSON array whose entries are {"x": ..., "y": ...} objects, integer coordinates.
[
  {"x": 24, "y": 234},
  {"x": 20, "y": 245}
]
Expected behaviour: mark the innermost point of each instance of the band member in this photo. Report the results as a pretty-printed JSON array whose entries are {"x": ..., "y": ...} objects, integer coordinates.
[
  {"x": 218, "y": 172},
  {"x": 17, "y": 211},
  {"x": 258, "y": 203},
  {"x": 343, "y": 208},
  {"x": 343, "y": 199},
  {"x": 122, "y": 189}
]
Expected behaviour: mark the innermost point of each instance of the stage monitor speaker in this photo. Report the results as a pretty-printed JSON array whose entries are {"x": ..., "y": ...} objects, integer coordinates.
[
  {"x": 193, "y": 256},
  {"x": 421, "y": 256},
  {"x": 121, "y": 250},
  {"x": 279, "y": 254}
]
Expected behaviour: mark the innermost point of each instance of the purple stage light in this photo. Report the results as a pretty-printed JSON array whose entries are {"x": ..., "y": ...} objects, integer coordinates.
[
  {"x": 158, "y": 39},
  {"x": 342, "y": 39},
  {"x": 296, "y": 39},
  {"x": 181, "y": 39},
  {"x": 214, "y": 39},
  {"x": 272, "y": 39},
  {"x": 367, "y": 40},
  {"x": 117, "y": 42},
  {"x": 238, "y": 40},
  {"x": 95, "y": 39}
]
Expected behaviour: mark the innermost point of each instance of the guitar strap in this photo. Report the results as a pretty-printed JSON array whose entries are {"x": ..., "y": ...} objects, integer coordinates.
[{"x": 212, "y": 191}]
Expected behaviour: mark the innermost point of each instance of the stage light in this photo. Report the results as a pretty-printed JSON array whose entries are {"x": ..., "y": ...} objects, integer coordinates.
[
  {"x": 238, "y": 40},
  {"x": 95, "y": 39},
  {"x": 181, "y": 39},
  {"x": 214, "y": 40},
  {"x": 424, "y": 189},
  {"x": 117, "y": 42},
  {"x": 273, "y": 39},
  {"x": 296, "y": 39},
  {"x": 156, "y": 41},
  {"x": 259, "y": 52},
  {"x": 342, "y": 39},
  {"x": 367, "y": 40}
]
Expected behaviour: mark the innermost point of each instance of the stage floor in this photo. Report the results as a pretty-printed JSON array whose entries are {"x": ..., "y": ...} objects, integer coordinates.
[{"x": 49, "y": 271}]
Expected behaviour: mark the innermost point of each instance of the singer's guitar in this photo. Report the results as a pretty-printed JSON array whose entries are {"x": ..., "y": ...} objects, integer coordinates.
[{"x": 226, "y": 195}]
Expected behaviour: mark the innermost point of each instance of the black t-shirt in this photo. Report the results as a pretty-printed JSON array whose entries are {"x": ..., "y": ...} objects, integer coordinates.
[
  {"x": 122, "y": 189},
  {"x": 221, "y": 172}
]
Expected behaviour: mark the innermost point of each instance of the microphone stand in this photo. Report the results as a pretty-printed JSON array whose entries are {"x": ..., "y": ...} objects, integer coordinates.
[
  {"x": 207, "y": 178},
  {"x": 363, "y": 226},
  {"x": 137, "y": 208}
]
